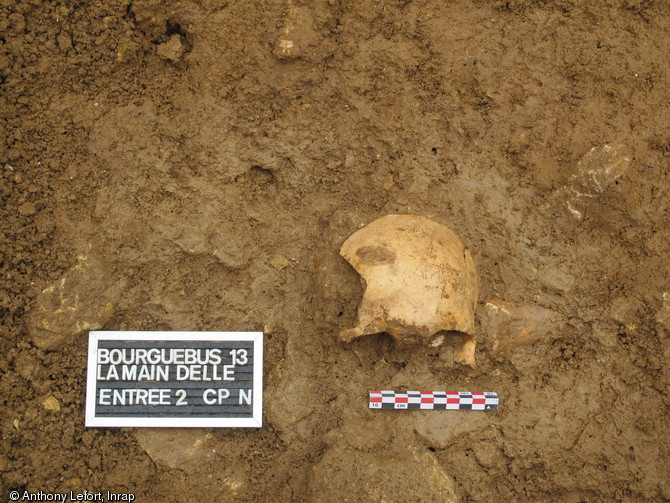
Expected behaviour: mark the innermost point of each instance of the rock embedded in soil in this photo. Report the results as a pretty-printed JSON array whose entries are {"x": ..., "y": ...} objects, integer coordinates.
[
  {"x": 663, "y": 314},
  {"x": 298, "y": 36},
  {"x": 175, "y": 447},
  {"x": 279, "y": 262},
  {"x": 288, "y": 404},
  {"x": 223, "y": 244},
  {"x": 512, "y": 325},
  {"x": 488, "y": 455},
  {"x": 171, "y": 50},
  {"x": 82, "y": 299},
  {"x": 556, "y": 279},
  {"x": 27, "y": 209},
  {"x": 51, "y": 403},
  {"x": 595, "y": 173},
  {"x": 626, "y": 310},
  {"x": 440, "y": 429},
  {"x": 389, "y": 473}
]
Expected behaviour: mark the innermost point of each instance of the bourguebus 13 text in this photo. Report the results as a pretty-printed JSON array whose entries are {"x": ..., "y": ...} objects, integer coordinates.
[{"x": 190, "y": 364}]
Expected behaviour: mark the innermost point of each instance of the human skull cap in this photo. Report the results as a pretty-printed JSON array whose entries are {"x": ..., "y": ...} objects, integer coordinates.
[{"x": 420, "y": 280}]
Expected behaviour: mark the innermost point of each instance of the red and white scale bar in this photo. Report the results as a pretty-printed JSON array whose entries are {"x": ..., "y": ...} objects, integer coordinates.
[{"x": 434, "y": 400}]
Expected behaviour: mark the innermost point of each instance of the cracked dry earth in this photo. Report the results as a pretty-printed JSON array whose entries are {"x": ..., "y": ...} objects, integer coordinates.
[{"x": 196, "y": 165}]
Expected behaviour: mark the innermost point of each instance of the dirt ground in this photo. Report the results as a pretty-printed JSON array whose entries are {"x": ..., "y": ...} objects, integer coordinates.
[{"x": 196, "y": 165}]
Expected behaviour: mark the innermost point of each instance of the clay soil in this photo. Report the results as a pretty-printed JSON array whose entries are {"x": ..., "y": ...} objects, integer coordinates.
[{"x": 206, "y": 159}]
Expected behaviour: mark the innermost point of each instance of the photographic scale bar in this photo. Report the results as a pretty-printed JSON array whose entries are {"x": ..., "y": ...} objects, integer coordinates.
[{"x": 434, "y": 400}]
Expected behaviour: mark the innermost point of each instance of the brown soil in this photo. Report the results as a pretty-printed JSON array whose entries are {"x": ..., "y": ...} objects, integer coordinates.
[{"x": 208, "y": 158}]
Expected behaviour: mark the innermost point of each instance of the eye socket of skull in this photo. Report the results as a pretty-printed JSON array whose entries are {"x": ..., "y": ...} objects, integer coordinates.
[{"x": 375, "y": 255}]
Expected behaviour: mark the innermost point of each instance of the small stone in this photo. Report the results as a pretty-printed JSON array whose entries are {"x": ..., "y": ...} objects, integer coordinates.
[
  {"x": 488, "y": 455},
  {"x": 16, "y": 424},
  {"x": 171, "y": 50},
  {"x": 279, "y": 262},
  {"x": 555, "y": 279},
  {"x": 511, "y": 325},
  {"x": 193, "y": 241},
  {"x": 626, "y": 310},
  {"x": 27, "y": 209},
  {"x": 232, "y": 255},
  {"x": 285, "y": 49},
  {"x": 663, "y": 314},
  {"x": 300, "y": 37},
  {"x": 595, "y": 173},
  {"x": 52, "y": 404}
]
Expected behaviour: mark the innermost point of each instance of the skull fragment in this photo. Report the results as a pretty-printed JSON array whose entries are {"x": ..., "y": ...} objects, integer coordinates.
[{"x": 420, "y": 280}]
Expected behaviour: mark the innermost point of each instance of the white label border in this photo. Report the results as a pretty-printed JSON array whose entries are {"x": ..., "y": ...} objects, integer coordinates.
[{"x": 256, "y": 421}]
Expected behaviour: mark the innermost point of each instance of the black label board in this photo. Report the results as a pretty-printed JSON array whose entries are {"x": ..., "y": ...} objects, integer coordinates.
[{"x": 175, "y": 379}]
